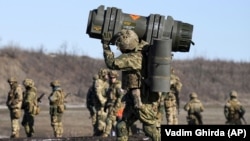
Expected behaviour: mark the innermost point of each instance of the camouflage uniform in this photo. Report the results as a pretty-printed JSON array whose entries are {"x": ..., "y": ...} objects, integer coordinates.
[
  {"x": 114, "y": 103},
  {"x": 233, "y": 110},
  {"x": 30, "y": 106},
  {"x": 170, "y": 108},
  {"x": 14, "y": 104},
  {"x": 175, "y": 87},
  {"x": 130, "y": 63},
  {"x": 101, "y": 86},
  {"x": 57, "y": 107},
  {"x": 90, "y": 104},
  {"x": 170, "y": 101},
  {"x": 194, "y": 108}
]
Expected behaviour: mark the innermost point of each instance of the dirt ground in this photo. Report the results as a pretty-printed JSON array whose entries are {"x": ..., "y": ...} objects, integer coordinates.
[{"x": 76, "y": 121}]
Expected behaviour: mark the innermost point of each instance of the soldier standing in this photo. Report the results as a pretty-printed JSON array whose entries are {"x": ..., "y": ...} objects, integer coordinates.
[
  {"x": 194, "y": 108},
  {"x": 14, "y": 104},
  {"x": 57, "y": 107},
  {"x": 90, "y": 103},
  {"x": 175, "y": 87},
  {"x": 233, "y": 110},
  {"x": 101, "y": 86},
  {"x": 114, "y": 103},
  {"x": 130, "y": 63},
  {"x": 30, "y": 106},
  {"x": 170, "y": 108}
]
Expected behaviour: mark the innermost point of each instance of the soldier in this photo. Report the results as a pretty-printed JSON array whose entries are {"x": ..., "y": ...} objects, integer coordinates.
[
  {"x": 91, "y": 99},
  {"x": 14, "y": 104},
  {"x": 57, "y": 107},
  {"x": 170, "y": 108},
  {"x": 233, "y": 110},
  {"x": 101, "y": 86},
  {"x": 194, "y": 108},
  {"x": 175, "y": 87},
  {"x": 114, "y": 103},
  {"x": 130, "y": 63},
  {"x": 30, "y": 106}
]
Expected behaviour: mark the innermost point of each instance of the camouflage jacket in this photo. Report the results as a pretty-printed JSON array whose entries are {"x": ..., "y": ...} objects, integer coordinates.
[
  {"x": 56, "y": 98},
  {"x": 115, "y": 94},
  {"x": 15, "y": 97},
  {"x": 29, "y": 99},
  {"x": 175, "y": 83},
  {"x": 194, "y": 106},
  {"x": 100, "y": 89},
  {"x": 130, "y": 63},
  {"x": 233, "y": 109}
]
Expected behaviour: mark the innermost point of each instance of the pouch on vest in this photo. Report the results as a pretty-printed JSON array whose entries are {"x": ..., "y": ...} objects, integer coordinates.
[{"x": 61, "y": 108}]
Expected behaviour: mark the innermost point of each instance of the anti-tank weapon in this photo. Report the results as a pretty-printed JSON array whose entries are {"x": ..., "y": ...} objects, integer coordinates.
[
  {"x": 165, "y": 35},
  {"x": 154, "y": 26}
]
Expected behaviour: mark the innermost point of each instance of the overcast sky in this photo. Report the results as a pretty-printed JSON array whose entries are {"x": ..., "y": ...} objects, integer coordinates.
[{"x": 221, "y": 27}]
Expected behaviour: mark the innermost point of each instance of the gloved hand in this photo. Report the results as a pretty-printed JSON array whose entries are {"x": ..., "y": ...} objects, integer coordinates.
[{"x": 106, "y": 37}]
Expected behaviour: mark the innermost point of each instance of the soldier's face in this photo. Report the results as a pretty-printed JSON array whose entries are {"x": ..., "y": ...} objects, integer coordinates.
[{"x": 112, "y": 79}]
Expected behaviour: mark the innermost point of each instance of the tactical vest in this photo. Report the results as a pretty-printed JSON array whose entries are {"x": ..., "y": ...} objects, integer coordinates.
[
  {"x": 195, "y": 107},
  {"x": 233, "y": 109},
  {"x": 131, "y": 79}
]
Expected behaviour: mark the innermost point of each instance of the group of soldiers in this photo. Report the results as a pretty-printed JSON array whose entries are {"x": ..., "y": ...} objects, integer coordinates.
[
  {"x": 25, "y": 99},
  {"x": 148, "y": 107},
  {"x": 104, "y": 102},
  {"x": 116, "y": 105}
]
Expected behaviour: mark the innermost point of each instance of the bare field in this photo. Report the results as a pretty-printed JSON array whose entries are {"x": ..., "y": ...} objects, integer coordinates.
[{"x": 77, "y": 123}]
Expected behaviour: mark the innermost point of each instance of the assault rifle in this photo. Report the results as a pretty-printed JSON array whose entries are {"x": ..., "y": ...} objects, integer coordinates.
[
  {"x": 66, "y": 97},
  {"x": 40, "y": 97}
]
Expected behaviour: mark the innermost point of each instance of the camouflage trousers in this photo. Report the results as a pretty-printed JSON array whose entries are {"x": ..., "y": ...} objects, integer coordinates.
[
  {"x": 130, "y": 115},
  {"x": 171, "y": 115},
  {"x": 194, "y": 119},
  {"x": 234, "y": 122},
  {"x": 28, "y": 124},
  {"x": 100, "y": 126},
  {"x": 15, "y": 115},
  {"x": 56, "y": 123},
  {"x": 110, "y": 122}
]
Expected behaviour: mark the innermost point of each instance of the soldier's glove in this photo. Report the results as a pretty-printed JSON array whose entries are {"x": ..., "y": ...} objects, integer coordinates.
[{"x": 106, "y": 38}]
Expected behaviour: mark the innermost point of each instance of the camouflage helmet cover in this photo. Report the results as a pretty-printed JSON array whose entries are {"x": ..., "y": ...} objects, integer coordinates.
[
  {"x": 102, "y": 72},
  {"x": 28, "y": 82},
  {"x": 12, "y": 79},
  {"x": 113, "y": 73},
  {"x": 55, "y": 83},
  {"x": 193, "y": 95},
  {"x": 233, "y": 93},
  {"x": 126, "y": 40}
]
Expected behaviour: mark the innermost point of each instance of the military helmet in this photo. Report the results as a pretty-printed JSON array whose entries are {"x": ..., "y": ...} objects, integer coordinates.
[
  {"x": 102, "y": 72},
  {"x": 113, "y": 73},
  {"x": 193, "y": 95},
  {"x": 127, "y": 40},
  {"x": 28, "y": 82},
  {"x": 233, "y": 93},
  {"x": 55, "y": 83},
  {"x": 12, "y": 79}
]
